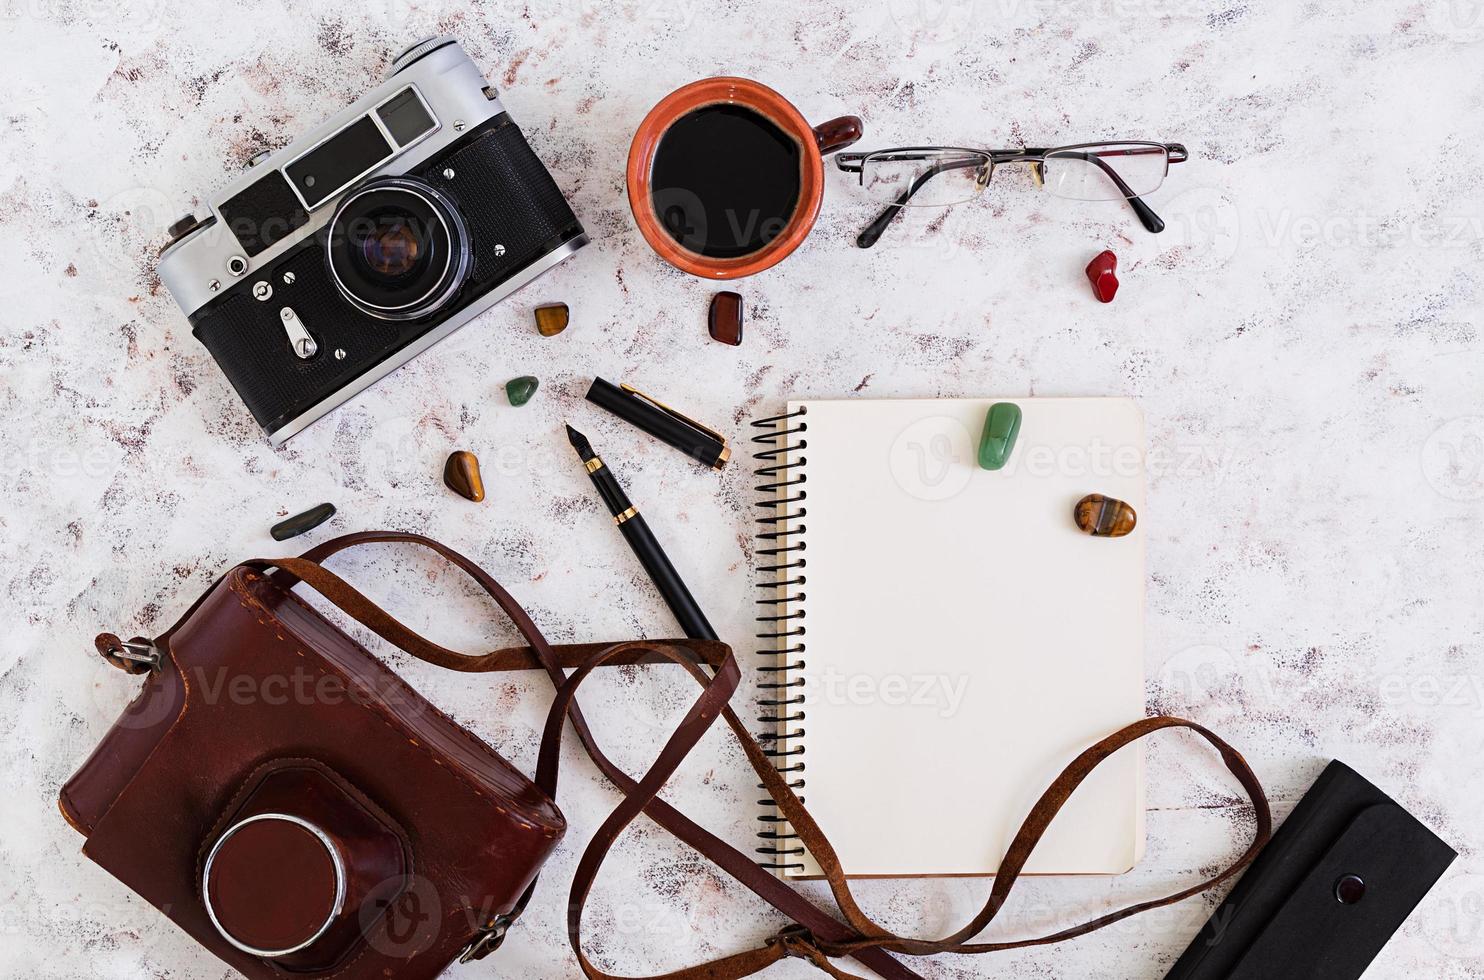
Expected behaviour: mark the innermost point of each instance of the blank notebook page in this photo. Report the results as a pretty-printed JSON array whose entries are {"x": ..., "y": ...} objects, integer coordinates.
[{"x": 964, "y": 640}]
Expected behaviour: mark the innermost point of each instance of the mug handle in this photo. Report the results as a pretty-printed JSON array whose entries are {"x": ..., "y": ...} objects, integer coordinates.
[{"x": 838, "y": 133}]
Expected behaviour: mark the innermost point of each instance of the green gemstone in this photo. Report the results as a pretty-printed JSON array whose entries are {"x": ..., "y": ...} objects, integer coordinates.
[
  {"x": 1001, "y": 426},
  {"x": 519, "y": 390}
]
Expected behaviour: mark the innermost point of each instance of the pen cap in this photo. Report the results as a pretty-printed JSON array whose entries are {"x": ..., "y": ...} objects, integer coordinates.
[{"x": 659, "y": 420}]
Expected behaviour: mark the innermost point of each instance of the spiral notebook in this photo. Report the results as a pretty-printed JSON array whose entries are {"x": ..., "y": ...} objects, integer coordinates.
[{"x": 941, "y": 640}]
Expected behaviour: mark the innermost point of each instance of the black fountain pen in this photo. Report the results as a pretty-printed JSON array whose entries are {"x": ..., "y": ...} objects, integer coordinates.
[{"x": 641, "y": 539}]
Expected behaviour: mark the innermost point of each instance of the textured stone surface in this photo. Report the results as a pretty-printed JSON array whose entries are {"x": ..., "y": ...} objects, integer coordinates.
[{"x": 1304, "y": 341}]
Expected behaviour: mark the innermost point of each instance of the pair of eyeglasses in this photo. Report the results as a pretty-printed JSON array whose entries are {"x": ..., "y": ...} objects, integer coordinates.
[{"x": 939, "y": 176}]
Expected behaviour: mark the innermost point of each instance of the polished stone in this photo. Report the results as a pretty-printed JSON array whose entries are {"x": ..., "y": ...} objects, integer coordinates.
[
  {"x": 1001, "y": 426},
  {"x": 292, "y": 527},
  {"x": 552, "y": 319},
  {"x": 519, "y": 390},
  {"x": 461, "y": 475},
  {"x": 725, "y": 318},
  {"x": 1102, "y": 272},
  {"x": 1104, "y": 517}
]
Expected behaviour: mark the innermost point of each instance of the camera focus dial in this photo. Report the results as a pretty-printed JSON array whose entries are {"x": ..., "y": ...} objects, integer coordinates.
[{"x": 418, "y": 49}]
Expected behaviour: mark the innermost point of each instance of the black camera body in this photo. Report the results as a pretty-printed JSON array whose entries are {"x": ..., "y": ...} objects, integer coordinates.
[{"x": 341, "y": 257}]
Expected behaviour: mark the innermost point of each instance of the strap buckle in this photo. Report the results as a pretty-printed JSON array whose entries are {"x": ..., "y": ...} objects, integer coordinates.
[
  {"x": 491, "y": 939},
  {"x": 797, "y": 941},
  {"x": 135, "y": 656}
]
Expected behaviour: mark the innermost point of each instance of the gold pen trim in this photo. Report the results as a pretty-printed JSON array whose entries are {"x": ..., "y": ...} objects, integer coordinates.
[
  {"x": 620, "y": 518},
  {"x": 726, "y": 451},
  {"x": 594, "y": 464}
]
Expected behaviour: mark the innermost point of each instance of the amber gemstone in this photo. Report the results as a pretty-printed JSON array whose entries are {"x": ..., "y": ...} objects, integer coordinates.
[
  {"x": 552, "y": 319},
  {"x": 519, "y": 390},
  {"x": 1104, "y": 517},
  {"x": 292, "y": 527},
  {"x": 725, "y": 319},
  {"x": 461, "y": 474}
]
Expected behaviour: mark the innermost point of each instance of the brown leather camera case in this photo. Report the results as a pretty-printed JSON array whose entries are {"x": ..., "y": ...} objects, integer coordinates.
[{"x": 256, "y": 688}]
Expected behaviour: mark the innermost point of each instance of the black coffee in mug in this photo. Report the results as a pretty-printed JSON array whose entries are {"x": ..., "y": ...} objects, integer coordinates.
[
  {"x": 725, "y": 177},
  {"x": 725, "y": 180}
]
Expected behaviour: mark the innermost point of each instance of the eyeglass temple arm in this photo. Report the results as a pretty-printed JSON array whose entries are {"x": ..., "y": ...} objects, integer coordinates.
[{"x": 873, "y": 231}]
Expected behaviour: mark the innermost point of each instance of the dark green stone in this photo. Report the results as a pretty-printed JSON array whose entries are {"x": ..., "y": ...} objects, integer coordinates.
[
  {"x": 1001, "y": 426},
  {"x": 292, "y": 527},
  {"x": 519, "y": 390}
]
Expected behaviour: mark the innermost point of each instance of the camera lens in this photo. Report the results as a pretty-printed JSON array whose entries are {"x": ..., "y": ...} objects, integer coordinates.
[
  {"x": 398, "y": 249},
  {"x": 391, "y": 246}
]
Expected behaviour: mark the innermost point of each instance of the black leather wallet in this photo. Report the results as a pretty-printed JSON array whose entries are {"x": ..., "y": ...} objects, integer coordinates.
[{"x": 1339, "y": 877}]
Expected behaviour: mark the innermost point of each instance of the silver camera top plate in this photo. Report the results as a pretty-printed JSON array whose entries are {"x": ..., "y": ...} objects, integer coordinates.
[{"x": 445, "y": 82}]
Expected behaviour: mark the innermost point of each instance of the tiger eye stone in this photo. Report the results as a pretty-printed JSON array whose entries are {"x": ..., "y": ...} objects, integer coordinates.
[
  {"x": 519, "y": 390},
  {"x": 461, "y": 475},
  {"x": 1104, "y": 517},
  {"x": 725, "y": 318},
  {"x": 292, "y": 527},
  {"x": 552, "y": 319}
]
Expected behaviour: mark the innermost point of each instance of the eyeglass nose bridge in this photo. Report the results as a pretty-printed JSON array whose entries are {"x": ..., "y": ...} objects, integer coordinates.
[{"x": 1035, "y": 158}]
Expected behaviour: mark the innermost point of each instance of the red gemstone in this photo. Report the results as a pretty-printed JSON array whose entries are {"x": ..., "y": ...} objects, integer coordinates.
[
  {"x": 725, "y": 318},
  {"x": 1101, "y": 273}
]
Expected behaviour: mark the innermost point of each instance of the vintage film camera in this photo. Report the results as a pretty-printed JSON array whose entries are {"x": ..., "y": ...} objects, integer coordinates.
[{"x": 335, "y": 260}]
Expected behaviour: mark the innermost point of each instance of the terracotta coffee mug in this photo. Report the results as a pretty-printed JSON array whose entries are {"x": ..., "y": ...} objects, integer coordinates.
[{"x": 813, "y": 143}]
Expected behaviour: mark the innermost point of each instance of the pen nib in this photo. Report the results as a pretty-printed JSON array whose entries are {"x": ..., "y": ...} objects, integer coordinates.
[{"x": 580, "y": 443}]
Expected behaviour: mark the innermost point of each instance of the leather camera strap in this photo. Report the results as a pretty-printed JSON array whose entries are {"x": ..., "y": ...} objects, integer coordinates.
[
  {"x": 815, "y": 935},
  {"x": 553, "y": 660}
]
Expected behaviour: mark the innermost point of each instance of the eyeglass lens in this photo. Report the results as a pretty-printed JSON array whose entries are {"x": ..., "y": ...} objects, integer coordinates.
[
  {"x": 924, "y": 178},
  {"x": 1105, "y": 171}
]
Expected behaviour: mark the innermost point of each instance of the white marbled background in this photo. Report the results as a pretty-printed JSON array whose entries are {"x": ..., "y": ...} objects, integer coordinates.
[{"x": 1304, "y": 340}]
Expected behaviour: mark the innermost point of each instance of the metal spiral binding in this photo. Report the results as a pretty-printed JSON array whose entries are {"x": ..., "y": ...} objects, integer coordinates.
[{"x": 780, "y": 544}]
